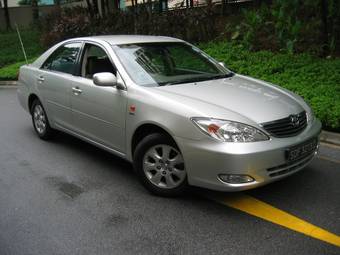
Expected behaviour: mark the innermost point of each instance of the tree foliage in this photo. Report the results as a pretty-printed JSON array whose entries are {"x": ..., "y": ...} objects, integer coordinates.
[{"x": 291, "y": 25}]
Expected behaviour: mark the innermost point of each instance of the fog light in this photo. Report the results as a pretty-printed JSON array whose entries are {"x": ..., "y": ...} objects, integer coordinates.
[{"x": 235, "y": 178}]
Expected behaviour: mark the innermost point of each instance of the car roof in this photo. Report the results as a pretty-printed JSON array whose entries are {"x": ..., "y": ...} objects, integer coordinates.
[
  {"x": 128, "y": 39},
  {"x": 111, "y": 39}
]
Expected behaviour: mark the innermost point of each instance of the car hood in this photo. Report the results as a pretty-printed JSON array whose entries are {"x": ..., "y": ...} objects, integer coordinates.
[{"x": 241, "y": 95}]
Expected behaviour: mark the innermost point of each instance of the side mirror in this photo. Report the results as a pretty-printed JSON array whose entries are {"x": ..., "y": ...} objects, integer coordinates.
[
  {"x": 221, "y": 64},
  {"x": 105, "y": 79}
]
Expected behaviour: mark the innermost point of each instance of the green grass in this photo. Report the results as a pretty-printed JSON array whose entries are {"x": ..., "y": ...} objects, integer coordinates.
[
  {"x": 11, "y": 55},
  {"x": 317, "y": 80},
  {"x": 10, "y": 72},
  {"x": 10, "y": 48}
]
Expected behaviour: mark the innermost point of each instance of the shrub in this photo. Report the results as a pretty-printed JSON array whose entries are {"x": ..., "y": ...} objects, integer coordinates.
[
  {"x": 10, "y": 72},
  {"x": 11, "y": 51},
  {"x": 289, "y": 25}
]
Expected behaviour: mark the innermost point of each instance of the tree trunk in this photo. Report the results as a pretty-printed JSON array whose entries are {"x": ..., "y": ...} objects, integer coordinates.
[
  {"x": 57, "y": 5},
  {"x": 116, "y": 4},
  {"x": 95, "y": 7},
  {"x": 224, "y": 7},
  {"x": 102, "y": 8},
  {"x": 160, "y": 6},
  {"x": 107, "y": 6},
  {"x": 7, "y": 19},
  {"x": 324, "y": 18},
  {"x": 135, "y": 4},
  {"x": 35, "y": 12},
  {"x": 149, "y": 7},
  {"x": 89, "y": 8}
]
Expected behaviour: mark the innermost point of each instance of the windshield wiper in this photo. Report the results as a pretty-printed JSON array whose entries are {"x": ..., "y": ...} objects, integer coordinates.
[
  {"x": 197, "y": 79},
  {"x": 221, "y": 76}
]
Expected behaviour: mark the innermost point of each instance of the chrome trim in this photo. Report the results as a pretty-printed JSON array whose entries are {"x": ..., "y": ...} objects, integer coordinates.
[{"x": 290, "y": 126}]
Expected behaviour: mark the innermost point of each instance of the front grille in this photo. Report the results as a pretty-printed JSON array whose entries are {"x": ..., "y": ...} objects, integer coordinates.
[
  {"x": 290, "y": 166},
  {"x": 290, "y": 126}
]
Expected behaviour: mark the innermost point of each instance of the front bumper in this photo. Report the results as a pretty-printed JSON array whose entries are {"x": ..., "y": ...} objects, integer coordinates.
[{"x": 264, "y": 161}]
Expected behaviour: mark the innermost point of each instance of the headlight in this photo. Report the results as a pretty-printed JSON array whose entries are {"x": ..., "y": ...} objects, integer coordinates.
[
  {"x": 229, "y": 131},
  {"x": 310, "y": 116}
]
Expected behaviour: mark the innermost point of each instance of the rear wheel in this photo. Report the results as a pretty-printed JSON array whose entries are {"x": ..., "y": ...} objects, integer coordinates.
[
  {"x": 160, "y": 165},
  {"x": 40, "y": 121}
]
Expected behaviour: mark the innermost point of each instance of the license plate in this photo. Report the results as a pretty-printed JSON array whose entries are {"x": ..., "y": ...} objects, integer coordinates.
[{"x": 301, "y": 150}]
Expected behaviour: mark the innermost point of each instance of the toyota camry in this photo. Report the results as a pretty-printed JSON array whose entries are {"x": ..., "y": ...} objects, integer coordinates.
[{"x": 181, "y": 117}]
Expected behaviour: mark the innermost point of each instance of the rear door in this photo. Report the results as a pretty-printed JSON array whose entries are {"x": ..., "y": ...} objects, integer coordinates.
[
  {"x": 55, "y": 80},
  {"x": 98, "y": 112}
]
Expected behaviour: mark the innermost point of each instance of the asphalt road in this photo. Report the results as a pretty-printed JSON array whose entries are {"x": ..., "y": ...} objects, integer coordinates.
[{"x": 68, "y": 197}]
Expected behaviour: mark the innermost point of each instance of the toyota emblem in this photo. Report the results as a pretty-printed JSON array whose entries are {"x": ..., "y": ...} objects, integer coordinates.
[{"x": 294, "y": 119}]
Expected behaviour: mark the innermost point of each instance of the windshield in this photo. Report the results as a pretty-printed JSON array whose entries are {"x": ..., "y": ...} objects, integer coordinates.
[{"x": 152, "y": 64}]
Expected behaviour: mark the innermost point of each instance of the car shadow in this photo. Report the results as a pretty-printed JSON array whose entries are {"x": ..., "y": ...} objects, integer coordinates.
[
  {"x": 90, "y": 151},
  {"x": 107, "y": 160},
  {"x": 293, "y": 187}
]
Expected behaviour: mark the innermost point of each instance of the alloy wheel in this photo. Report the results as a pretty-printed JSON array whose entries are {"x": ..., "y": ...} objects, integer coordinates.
[
  {"x": 163, "y": 165},
  {"x": 39, "y": 119}
]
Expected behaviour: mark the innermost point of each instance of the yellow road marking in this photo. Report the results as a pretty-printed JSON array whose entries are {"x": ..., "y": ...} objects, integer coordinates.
[{"x": 267, "y": 212}]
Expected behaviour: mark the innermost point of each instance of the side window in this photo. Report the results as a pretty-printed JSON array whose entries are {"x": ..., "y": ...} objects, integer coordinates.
[
  {"x": 95, "y": 60},
  {"x": 63, "y": 59}
]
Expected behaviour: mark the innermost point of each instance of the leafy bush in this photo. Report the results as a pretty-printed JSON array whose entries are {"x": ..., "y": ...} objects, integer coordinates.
[
  {"x": 11, "y": 51},
  {"x": 317, "y": 80},
  {"x": 289, "y": 25},
  {"x": 286, "y": 23}
]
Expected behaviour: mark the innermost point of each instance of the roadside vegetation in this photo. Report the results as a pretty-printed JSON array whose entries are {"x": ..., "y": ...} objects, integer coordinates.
[
  {"x": 10, "y": 72},
  {"x": 11, "y": 51},
  {"x": 287, "y": 42}
]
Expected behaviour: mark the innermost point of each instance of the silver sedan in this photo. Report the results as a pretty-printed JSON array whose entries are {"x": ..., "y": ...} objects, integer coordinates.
[{"x": 180, "y": 116}]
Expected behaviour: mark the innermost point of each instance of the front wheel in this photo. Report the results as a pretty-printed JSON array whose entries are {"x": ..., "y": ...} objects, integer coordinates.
[{"x": 160, "y": 165}]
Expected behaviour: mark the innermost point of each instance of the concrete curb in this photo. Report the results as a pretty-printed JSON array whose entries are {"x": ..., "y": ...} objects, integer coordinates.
[
  {"x": 325, "y": 137},
  {"x": 330, "y": 137},
  {"x": 8, "y": 83}
]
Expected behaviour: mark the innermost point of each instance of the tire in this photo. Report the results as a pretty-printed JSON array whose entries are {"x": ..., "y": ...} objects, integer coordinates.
[
  {"x": 159, "y": 165},
  {"x": 40, "y": 121}
]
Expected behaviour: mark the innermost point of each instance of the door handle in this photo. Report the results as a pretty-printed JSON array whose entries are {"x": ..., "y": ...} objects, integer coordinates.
[
  {"x": 41, "y": 78},
  {"x": 76, "y": 90}
]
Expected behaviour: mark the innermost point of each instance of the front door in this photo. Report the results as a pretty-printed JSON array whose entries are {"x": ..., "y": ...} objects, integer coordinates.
[{"x": 98, "y": 113}]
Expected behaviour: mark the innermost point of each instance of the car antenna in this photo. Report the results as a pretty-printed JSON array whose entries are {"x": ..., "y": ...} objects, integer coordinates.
[{"x": 22, "y": 45}]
